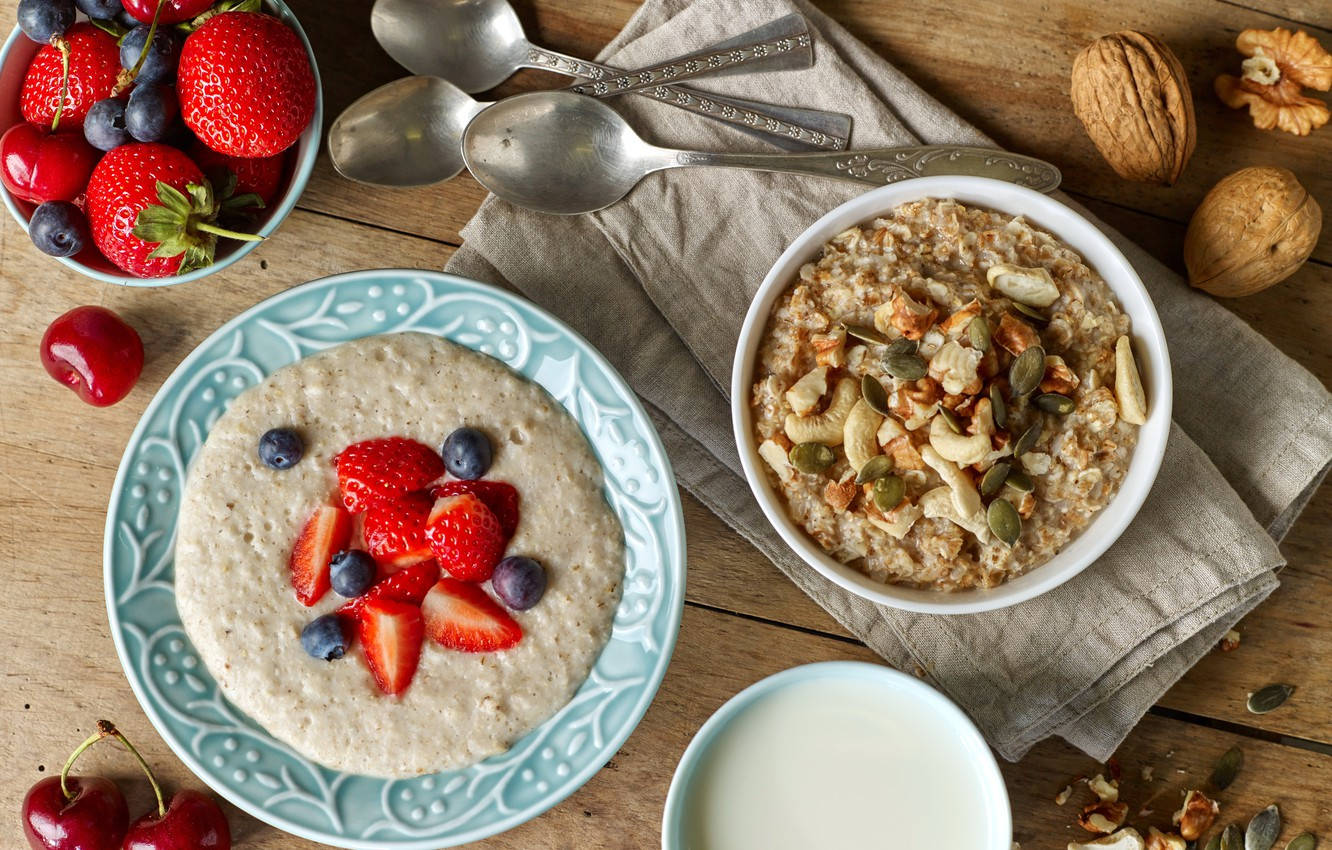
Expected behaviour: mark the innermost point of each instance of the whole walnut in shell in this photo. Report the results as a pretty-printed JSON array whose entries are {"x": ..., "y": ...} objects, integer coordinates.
[
  {"x": 1254, "y": 229},
  {"x": 1131, "y": 94}
]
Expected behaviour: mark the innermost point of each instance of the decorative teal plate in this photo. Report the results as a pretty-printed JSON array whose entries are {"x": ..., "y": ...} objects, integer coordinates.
[{"x": 237, "y": 757}]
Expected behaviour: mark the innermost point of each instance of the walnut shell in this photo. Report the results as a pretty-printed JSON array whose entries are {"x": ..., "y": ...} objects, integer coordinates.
[
  {"x": 1130, "y": 93},
  {"x": 1252, "y": 230}
]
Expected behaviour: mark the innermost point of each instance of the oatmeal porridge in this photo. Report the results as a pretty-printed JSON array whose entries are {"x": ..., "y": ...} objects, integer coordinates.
[{"x": 946, "y": 396}]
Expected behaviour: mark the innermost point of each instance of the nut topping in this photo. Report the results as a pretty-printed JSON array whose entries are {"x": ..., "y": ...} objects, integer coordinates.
[
  {"x": 1280, "y": 64},
  {"x": 1030, "y": 286},
  {"x": 1128, "y": 386},
  {"x": 1127, "y": 838},
  {"x": 1103, "y": 816},
  {"x": 954, "y": 367},
  {"x": 909, "y": 317},
  {"x": 825, "y": 427},
  {"x": 1014, "y": 335},
  {"x": 1196, "y": 815},
  {"x": 1158, "y": 840},
  {"x": 806, "y": 393},
  {"x": 859, "y": 434}
]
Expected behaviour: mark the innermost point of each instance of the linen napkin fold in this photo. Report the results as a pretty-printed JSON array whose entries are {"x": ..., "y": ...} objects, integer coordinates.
[{"x": 660, "y": 282}]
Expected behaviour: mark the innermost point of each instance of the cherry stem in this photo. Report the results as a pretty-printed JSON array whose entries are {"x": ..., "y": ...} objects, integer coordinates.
[
  {"x": 227, "y": 234},
  {"x": 106, "y": 729}
]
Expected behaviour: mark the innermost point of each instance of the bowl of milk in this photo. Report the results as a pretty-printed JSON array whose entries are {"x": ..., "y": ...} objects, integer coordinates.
[{"x": 837, "y": 754}]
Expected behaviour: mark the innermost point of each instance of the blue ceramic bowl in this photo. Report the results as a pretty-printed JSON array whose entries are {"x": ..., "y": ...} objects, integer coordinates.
[{"x": 15, "y": 57}]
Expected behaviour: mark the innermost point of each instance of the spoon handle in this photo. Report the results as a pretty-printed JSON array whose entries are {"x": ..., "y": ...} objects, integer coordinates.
[{"x": 880, "y": 166}]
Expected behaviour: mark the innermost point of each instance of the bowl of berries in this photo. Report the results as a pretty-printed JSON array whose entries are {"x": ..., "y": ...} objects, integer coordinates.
[{"x": 154, "y": 142}]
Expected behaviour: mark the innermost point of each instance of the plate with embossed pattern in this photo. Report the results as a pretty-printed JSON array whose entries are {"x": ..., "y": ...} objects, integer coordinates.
[{"x": 234, "y": 755}]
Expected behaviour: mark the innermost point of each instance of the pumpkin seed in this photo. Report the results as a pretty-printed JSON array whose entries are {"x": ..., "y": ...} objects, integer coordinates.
[
  {"x": 1269, "y": 698},
  {"x": 874, "y": 469},
  {"x": 1031, "y": 313},
  {"x": 950, "y": 419},
  {"x": 905, "y": 367},
  {"x": 1303, "y": 841},
  {"x": 811, "y": 457},
  {"x": 1263, "y": 829},
  {"x": 902, "y": 345},
  {"x": 888, "y": 492},
  {"x": 868, "y": 334},
  {"x": 1027, "y": 441},
  {"x": 1027, "y": 371},
  {"x": 993, "y": 479},
  {"x": 1055, "y": 403},
  {"x": 1004, "y": 521},
  {"x": 998, "y": 407},
  {"x": 978, "y": 331},
  {"x": 1214, "y": 843},
  {"x": 1020, "y": 481},
  {"x": 1232, "y": 838},
  {"x": 875, "y": 395},
  {"x": 1226, "y": 769}
]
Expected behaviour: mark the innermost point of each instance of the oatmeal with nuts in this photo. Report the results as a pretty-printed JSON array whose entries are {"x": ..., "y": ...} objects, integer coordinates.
[{"x": 946, "y": 396}]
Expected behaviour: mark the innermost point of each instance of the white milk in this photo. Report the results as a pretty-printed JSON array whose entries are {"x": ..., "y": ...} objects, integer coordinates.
[{"x": 838, "y": 764}]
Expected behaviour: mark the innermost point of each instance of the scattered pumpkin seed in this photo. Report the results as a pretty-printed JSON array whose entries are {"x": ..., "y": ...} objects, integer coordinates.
[
  {"x": 905, "y": 366},
  {"x": 1263, "y": 829},
  {"x": 811, "y": 457},
  {"x": 1226, "y": 769},
  {"x": 902, "y": 345},
  {"x": 868, "y": 334},
  {"x": 1027, "y": 370},
  {"x": 993, "y": 479},
  {"x": 1004, "y": 521},
  {"x": 888, "y": 492},
  {"x": 874, "y": 469},
  {"x": 978, "y": 331},
  {"x": 1214, "y": 843},
  {"x": 1031, "y": 313},
  {"x": 998, "y": 407},
  {"x": 1303, "y": 841},
  {"x": 1020, "y": 481},
  {"x": 1232, "y": 838},
  {"x": 1027, "y": 441},
  {"x": 875, "y": 395},
  {"x": 950, "y": 419},
  {"x": 1055, "y": 403},
  {"x": 1269, "y": 698}
]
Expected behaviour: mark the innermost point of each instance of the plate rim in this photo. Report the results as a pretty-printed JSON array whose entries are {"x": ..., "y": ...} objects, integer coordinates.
[{"x": 675, "y": 603}]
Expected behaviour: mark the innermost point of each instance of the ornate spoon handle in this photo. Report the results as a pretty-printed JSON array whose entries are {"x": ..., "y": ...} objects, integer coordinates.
[{"x": 891, "y": 165}]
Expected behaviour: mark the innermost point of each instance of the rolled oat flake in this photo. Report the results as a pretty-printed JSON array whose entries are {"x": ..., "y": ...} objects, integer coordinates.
[
  {"x": 1263, "y": 829},
  {"x": 811, "y": 457},
  {"x": 1269, "y": 698},
  {"x": 1027, "y": 370}
]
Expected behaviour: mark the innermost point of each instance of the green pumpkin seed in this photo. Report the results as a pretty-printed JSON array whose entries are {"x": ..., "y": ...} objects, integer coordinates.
[
  {"x": 1027, "y": 441},
  {"x": 978, "y": 331},
  {"x": 1269, "y": 698},
  {"x": 1027, "y": 370},
  {"x": 950, "y": 419},
  {"x": 868, "y": 334},
  {"x": 1232, "y": 838},
  {"x": 1004, "y": 521},
  {"x": 1214, "y": 843},
  {"x": 1055, "y": 403},
  {"x": 874, "y": 394},
  {"x": 1226, "y": 769},
  {"x": 888, "y": 492},
  {"x": 998, "y": 407},
  {"x": 905, "y": 367},
  {"x": 1031, "y": 313},
  {"x": 1303, "y": 841},
  {"x": 1263, "y": 829},
  {"x": 874, "y": 469},
  {"x": 993, "y": 479},
  {"x": 902, "y": 345},
  {"x": 1020, "y": 481},
  {"x": 811, "y": 457}
]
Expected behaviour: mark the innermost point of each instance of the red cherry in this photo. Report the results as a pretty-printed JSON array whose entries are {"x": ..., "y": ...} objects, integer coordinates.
[
  {"x": 93, "y": 818},
  {"x": 173, "y": 11},
  {"x": 37, "y": 165},
  {"x": 192, "y": 822},
  {"x": 93, "y": 352}
]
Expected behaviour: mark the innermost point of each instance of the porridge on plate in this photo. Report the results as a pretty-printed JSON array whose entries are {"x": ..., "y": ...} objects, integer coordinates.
[
  {"x": 946, "y": 396},
  {"x": 380, "y": 604}
]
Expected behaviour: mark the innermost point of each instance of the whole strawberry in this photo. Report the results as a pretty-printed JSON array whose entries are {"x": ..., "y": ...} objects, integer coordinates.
[
  {"x": 151, "y": 211},
  {"x": 94, "y": 62},
  {"x": 261, "y": 176},
  {"x": 245, "y": 84}
]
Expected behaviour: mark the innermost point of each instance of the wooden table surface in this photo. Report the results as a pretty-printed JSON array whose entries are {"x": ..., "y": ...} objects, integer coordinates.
[{"x": 1001, "y": 65}]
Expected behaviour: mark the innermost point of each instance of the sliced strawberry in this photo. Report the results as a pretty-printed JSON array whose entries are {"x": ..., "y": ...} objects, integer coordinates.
[
  {"x": 391, "y": 635},
  {"x": 376, "y": 470},
  {"x": 395, "y": 531},
  {"x": 326, "y": 532},
  {"x": 462, "y": 616},
  {"x": 410, "y": 585},
  {"x": 500, "y": 496},
  {"x": 465, "y": 536}
]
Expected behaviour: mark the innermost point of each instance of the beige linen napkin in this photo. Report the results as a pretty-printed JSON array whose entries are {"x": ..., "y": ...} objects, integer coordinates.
[{"x": 660, "y": 283}]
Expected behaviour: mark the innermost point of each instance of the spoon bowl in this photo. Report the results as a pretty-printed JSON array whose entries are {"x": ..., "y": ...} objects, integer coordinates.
[
  {"x": 404, "y": 133},
  {"x": 474, "y": 44}
]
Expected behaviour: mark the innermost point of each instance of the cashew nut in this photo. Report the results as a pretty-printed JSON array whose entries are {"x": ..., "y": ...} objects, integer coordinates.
[
  {"x": 962, "y": 450},
  {"x": 859, "y": 434},
  {"x": 771, "y": 451},
  {"x": 1107, "y": 790},
  {"x": 825, "y": 427},
  {"x": 1031, "y": 286},
  {"x": 896, "y": 522},
  {"x": 955, "y": 368},
  {"x": 1127, "y": 838},
  {"x": 806, "y": 393},
  {"x": 939, "y": 504},
  {"x": 890, "y": 429},
  {"x": 1128, "y": 384}
]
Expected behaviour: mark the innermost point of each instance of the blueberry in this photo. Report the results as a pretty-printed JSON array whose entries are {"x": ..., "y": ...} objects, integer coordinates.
[
  {"x": 102, "y": 10},
  {"x": 519, "y": 582},
  {"x": 281, "y": 448},
  {"x": 126, "y": 20},
  {"x": 104, "y": 126},
  {"x": 351, "y": 572},
  {"x": 467, "y": 454},
  {"x": 150, "y": 111},
  {"x": 159, "y": 66},
  {"x": 324, "y": 637},
  {"x": 58, "y": 228},
  {"x": 41, "y": 19}
]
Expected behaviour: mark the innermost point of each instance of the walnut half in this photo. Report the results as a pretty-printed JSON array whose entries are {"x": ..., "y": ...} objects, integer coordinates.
[{"x": 1280, "y": 65}]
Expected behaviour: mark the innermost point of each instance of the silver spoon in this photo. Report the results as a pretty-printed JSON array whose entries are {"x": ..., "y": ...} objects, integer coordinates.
[
  {"x": 561, "y": 153},
  {"x": 477, "y": 44}
]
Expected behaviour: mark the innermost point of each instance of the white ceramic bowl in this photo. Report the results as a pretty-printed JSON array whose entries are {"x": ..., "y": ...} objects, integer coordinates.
[
  {"x": 992, "y": 807},
  {"x": 1149, "y": 346}
]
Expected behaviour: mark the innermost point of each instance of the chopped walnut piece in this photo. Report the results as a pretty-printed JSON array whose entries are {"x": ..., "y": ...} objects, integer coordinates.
[
  {"x": 1107, "y": 790},
  {"x": 909, "y": 317},
  {"x": 915, "y": 404},
  {"x": 1196, "y": 815},
  {"x": 1103, "y": 817},
  {"x": 830, "y": 348},
  {"x": 1230, "y": 642},
  {"x": 840, "y": 494},
  {"x": 1058, "y": 377},
  {"x": 1026, "y": 506},
  {"x": 904, "y": 453},
  {"x": 956, "y": 324},
  {"x": 1280, "y": 64},
  {"x": 1158, "y": 840},
  {"x": 1014, "y": 335}
]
